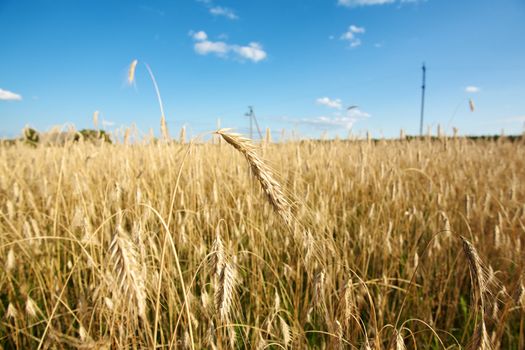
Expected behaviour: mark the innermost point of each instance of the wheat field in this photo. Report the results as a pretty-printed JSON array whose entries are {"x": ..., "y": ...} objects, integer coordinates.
[{"x": 344, "y": 244}]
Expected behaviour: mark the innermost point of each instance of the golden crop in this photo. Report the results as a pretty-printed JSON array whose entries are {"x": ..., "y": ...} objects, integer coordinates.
[{"x": 336, "y": 245}]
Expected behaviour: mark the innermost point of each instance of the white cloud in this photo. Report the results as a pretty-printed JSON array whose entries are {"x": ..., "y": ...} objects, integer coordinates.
[
  {"x": 223, "y": 11},
  {"x": 328, "y": 102},
  {"x": 337, "y": 121},
  {"x": 326, "y": 121},
  {"x": 347, "y": 36},
  {"x": 6, "y": 95},
  {"x": 356, "y": 113},
  {"x": 217, "y": 47},
  {"x": 351, "y": 35},
  {"x": 330, "y": 122},
  {"x": 216, "y": 10},
  {"x": 472, "y": 89},
  {"x": 200, "y": 35},
  {"x": 253, "y": 51},
  {"x": 356, "y": 29}
]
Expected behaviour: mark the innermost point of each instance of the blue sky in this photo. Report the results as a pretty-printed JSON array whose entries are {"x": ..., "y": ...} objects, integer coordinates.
[{"x": 300, "y": 63}]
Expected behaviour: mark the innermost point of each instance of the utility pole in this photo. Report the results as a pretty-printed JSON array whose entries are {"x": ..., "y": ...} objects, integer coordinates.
[
  {"x": 251, "y": 123},
  {"x": 251, "y": 115},
  {"x": 422, "y": 99}
]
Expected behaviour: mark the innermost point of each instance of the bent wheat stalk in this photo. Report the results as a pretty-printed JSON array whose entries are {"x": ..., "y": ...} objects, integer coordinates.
[
  {"x": 131, "y": 80},
  {"x": 481, "y": 340},
  {"x": 262, "y": 172}
]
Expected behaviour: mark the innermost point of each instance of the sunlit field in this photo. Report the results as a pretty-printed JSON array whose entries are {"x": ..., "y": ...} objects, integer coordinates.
[{"x": 343, "y": 244}]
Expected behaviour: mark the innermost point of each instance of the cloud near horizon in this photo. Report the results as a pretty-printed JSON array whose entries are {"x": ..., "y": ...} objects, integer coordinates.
[
  {"x": 472, "y": 89},
  {"x": 336, "y": 121},
  {"x": 203, "y": 46},
  {"x": 6, "y": 95},
  {"x": 516, "y": 119},
  {"x": 357, "y": 3},
  {"x": 328, "y": 102}
]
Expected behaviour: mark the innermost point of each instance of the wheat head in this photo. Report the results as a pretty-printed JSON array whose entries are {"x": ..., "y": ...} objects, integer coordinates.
[{"x": 262, "y": 173}]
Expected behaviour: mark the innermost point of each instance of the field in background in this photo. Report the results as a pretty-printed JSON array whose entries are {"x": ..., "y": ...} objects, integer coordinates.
[{"x": 143, "y": 246}]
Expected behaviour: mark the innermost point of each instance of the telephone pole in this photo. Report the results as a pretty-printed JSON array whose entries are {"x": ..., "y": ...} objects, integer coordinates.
[
  {"x": 422, "y": 99},
  {"x": 251, "y": 115}
]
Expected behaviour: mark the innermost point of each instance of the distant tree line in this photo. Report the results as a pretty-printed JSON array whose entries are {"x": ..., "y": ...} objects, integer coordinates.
[{"x": 32, "y": 137}]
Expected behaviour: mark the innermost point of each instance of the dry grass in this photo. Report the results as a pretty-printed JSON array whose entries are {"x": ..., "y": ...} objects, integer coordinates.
[{"x": 418, "y": 244}]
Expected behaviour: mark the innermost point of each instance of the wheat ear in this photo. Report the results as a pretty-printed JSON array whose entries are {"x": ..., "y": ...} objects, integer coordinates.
[
  {"x": 226, "y": 282},
  {"x": 131, "y": 80},
  {"x": 131, "y": 71},
  {"x": 225, "y": 278},
  {"x": 127, "y": 272},
  {"x": 479, "y": 280},
  {"x": 261, "y": 171},
  {"x": 95, "y": 119}
]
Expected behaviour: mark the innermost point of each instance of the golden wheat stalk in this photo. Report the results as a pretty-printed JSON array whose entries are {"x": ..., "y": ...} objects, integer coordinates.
[
  {"x": 131, "y": 80},
  {"x": 319, "y": 290},
  {"x": 126, "y": 136},
  {"x": 127, "y": 272},
  {"x": 224, "y": 291},
  {"x": 182, "y": 135},
  {"x": 262, "y": 173},
  {"x": 95, "y": 119},
  {"x": 131, "y": 71},
  {"x": 164, "y": 128},
  {"x": 10, "y": 263},
  {"x": 218, "y": 257},
  {"x": 400, "y": 342},
  {"x": 268, "y": 137},
  {"x": 11, "y": 312},
  {"x": 348, "y": 302},
  {"x": 32, "y": 309},
  {"x": 286, "y": 332},
  {"x": 481, "y": 340}
]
